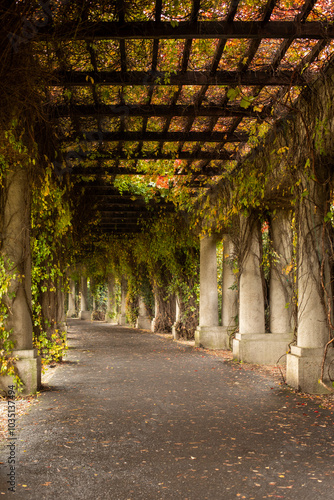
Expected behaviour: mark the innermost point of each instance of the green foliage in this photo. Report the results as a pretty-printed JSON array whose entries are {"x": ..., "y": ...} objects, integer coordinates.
[
  {"x": 7, "y": 360},
  {"x": 51, "y": 225},
  {"x": 51, "y": 349}
]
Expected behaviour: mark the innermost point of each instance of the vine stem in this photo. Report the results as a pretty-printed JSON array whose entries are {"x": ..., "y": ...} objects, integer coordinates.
[{"x": 329, "y": 311}]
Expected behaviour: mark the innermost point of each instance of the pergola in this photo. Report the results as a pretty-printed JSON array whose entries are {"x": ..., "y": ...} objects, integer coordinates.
[{"x": 171, "y": 91}]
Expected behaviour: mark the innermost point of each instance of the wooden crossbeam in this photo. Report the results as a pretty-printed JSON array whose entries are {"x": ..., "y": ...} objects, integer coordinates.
[
  {"x": 93, "y": 136},
  {"x": 142, "y": 78},
  {"x": 183, "y": 155},
  {"x": 187, "y": 30},
  {"x": 89, "y": 171},
  {"x": 151, "y": 110}
]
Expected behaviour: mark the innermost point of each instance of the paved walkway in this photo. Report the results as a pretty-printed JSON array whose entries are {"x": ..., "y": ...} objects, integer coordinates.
[{"x": 131, "y": 415}]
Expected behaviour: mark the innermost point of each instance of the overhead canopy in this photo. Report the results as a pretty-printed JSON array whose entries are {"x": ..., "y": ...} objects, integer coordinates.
[{"x": 171, "y": 89}]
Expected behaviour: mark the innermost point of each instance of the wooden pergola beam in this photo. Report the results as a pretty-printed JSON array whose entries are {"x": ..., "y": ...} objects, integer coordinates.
[
  {"x": 187, "y": 30},
  {"x": 151, "y": 110},
  {"x": 150, "y": 156},
  {"x": 89, "y": 171},
  {"x": 142, "y": 78},
  {"x": 93, "y": 136}
]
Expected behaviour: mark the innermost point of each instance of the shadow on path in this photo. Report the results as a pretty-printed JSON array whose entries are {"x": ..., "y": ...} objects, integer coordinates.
[{"x": 131, "y": 415}]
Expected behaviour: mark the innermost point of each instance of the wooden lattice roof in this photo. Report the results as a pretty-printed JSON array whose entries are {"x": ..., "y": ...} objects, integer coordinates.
[{"x": 174, "y": 88}]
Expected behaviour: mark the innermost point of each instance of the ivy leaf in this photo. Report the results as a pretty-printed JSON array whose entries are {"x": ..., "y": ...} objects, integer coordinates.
[
  {"x": 232, "y": 94},
  {"x": 246, "y": 101}
]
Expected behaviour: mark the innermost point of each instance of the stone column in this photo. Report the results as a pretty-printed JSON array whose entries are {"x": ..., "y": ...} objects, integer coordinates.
[
  {"x": 246, "y": 345},
  {"x": 61, "y": 317},
  {"x": 143, "y": 320},
  {"x": 304, "y": 362},
  {"x": 281, "y": 279},
  {"x": 111, "y": 305},
  {"x": 84, "y": 312},
  {"x": 209, "y": 333},
  {"x": 71, "y": 300},
  {"x": 156, "y": 311},
  {"x": 229, "y": 293},
  {"x": 124, "y": 289},
  {"x": 177, "y": 318},
  {"x": 281, "y": 287},
  {"x": 17, "y": 262},
  {"x": 92, "y": 287}
]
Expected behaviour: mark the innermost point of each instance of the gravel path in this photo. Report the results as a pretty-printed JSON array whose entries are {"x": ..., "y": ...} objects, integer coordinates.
[{"x": 132, "y": 415}]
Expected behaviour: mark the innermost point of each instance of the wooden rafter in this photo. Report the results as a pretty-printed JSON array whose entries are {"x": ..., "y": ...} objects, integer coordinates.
[
  {"x": 189, "y": 30},
  {"x": 141, "y": 78}
]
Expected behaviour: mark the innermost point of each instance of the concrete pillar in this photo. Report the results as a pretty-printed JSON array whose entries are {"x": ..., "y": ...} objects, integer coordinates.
[
  {"x": 124, "y": 289},
  {"x": 143, "y": 320},
  {"x": 208, "y": 302},
  {"x": 84, "y": 312},
  {"x": 71, "y": 300},
  {"x": 304, "y": 362},
  {"x": 111, "y": 314},
  {"x": 92, "y": 288},
  {"x": 177, "y": 318},
  {"x": 229, "y": 293},
  {"x": 251, "y": 298},
  {"x": 281, "y": 279},
  {"x": 251, "y": 343},
  {"x": 209, "y": 333},
  {"x": 156, "y": 311},
  {"x": 61, "y": 317},
  {"x": 17, "y": 262}
]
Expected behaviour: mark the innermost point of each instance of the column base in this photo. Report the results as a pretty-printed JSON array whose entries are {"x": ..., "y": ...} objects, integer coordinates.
[
  {"x": 111, "y": 318},
  {"x": 71, "y": 313},
  {"x": 29, "y": 370},
  {"x": 85, "y": 315},
  {"x": 212, "y": 337},
  {"x": 261, "y": 348},
  {"x": 153, "y": 325},
  {"x": 122, "y": 320},
  {"x": 175, "y": 333},
  {"x": 143, "y": 323},
  {"x": 304, "y": 369}
]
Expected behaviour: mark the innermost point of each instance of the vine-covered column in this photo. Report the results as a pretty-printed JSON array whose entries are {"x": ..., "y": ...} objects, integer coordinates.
[
  {"x": 71, "y": 299},
  {"x": 17, "y": 264},
  {"x": 156, "y": 310},
  {"x": 61, "y": 317},
  {"x": 124, "y": 290},
  {"x": 111, "y": 301},
  {"x": 84, "y": 312},
  {"x": 314, "y": 293},
  {"x": 175, "y": 332},
  {"x": 246, "y": 345},
  {"x": 281, "y": 283},
  {"x": 164, "y": 309},
  {"x": 229, "y": 292},
  {"x": 208, "y": 334}
]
